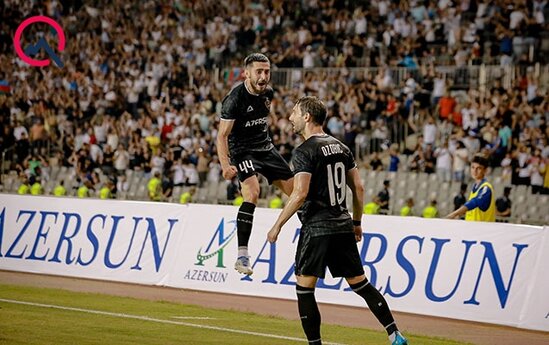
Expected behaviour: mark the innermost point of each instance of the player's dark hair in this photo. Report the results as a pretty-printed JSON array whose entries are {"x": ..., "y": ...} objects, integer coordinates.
[
  {"x": 313, "y": 106},
  {"x": 255, "y": 57},
  {"x": 481, "y": 159}
]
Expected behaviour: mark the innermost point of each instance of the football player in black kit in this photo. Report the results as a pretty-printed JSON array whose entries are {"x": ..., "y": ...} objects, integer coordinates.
[
  {"x": 323, "y": 168},
  {"x": 245, "y": 148}
]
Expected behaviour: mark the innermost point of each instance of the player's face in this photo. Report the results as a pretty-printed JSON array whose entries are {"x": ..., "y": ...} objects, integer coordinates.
[
  {"x": 297, "y": 120},
  {"x": 259, "y": 75},
  {"x": 477, "y": 171}
]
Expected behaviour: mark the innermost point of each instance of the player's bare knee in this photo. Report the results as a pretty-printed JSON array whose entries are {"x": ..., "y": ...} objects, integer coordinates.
[{"x": 251, "y": 195}]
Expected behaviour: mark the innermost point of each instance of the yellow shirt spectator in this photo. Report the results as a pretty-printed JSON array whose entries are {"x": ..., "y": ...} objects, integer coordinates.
[{"x": 154, "y": 143}]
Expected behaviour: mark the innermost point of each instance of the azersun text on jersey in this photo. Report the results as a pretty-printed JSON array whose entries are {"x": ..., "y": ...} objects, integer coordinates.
[{"x": 250, "y": 114}]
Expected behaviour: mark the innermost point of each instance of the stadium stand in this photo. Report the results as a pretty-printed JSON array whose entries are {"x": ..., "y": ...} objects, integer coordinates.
[{"x": 142, "y": 85}]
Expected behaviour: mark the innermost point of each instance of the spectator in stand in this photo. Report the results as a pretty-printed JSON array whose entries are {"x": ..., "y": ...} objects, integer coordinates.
[
  {"x": 439, "y": 89},
  {"x": 460, "y": 198},
  {"x": 121, "y": 160},
  {"x": 471, "y": 142},
  {"x": 122, "y": 185},
  {"x": 167, "y": 186},
  {"x": 384, "y": 197},
  {"x": 429, "y": 160},
  {"x": 522, "y": 168},
  {"x": 460, "y": 159},
  {"x": 394, "y": 161},
  {"x": 202, "y": 167},
  {"x": 233, "y": 189},
  {"x": 191, "y": 173},
  {"x": 429, "y": 132},
  {"x": 446, "y": 106},
  {"x": 416, "y": 161},
  {"x": 214, "y": 170},
  {"x": 375, "y": 162},
  {"x": 536, "y": 166},
  {"x": 503, "y": 205},
  {"x": 178, "y": 173},
  {"x": 443, "y": 163}
]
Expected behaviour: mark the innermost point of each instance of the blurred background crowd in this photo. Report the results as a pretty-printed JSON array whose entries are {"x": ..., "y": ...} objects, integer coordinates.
[{"x": 411, "y": 86}]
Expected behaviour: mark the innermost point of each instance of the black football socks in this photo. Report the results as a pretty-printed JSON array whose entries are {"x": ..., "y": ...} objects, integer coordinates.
[
  {"x": 244, "y": 221},
  {"x": 377, "y": 304},
  {"x": 309, "y": 314}
]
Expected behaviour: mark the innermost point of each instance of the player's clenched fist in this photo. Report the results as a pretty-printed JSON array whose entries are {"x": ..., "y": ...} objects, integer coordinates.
[{"x": 229, "y": 172}]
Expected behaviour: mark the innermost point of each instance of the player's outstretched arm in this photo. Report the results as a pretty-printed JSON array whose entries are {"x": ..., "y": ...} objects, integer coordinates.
[{"x": 297, "y": 198}]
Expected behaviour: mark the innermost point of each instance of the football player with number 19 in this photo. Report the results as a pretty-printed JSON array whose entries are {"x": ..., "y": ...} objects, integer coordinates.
[{"x": 323, "y": 168}]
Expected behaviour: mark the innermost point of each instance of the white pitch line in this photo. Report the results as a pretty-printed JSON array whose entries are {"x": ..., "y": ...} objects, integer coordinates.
[
  {"x": 146, "y": 318},
  {"x": 194, "y": 318}
]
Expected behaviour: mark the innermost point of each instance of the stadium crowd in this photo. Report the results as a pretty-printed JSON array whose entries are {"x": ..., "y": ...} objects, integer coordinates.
[{"x": 137, "y": 90}]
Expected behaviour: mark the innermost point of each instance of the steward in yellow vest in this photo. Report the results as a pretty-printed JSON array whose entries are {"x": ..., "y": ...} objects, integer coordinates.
[
  {"x": 106, "y": 191},
  {"x": 84, "y": 190},
  {"x": 187, "y": 197},
  {"x": 155, "y": 187},
  {"x": 372, "y": 207},
  {"x": 24, "y": 188},
  {"x": 60, "y": 190},
  {"x": 407, "y": 210},
  {"x": 276, "y": 202},
  {"x": 431, "y": 210},
  {"x": 238, "y": 200},
  {"x": 36, "y": 188}
]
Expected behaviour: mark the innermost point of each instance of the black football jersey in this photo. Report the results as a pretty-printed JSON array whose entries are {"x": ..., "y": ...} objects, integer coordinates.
[
  {"x": 250, "y": 114},
  {"x": 327, "y": 160}
]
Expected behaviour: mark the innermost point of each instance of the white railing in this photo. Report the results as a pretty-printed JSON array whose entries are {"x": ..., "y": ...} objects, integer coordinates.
[{"x": 478, "y": 77}]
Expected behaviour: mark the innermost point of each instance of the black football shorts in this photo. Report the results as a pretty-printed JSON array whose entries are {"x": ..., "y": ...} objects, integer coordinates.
[
  {"x": 267, "y": 163},
  {"x": 338, "y": 252}
]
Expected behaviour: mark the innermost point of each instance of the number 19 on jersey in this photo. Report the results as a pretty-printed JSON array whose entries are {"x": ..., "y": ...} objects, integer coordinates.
[{"x": 336, "y": 183}]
